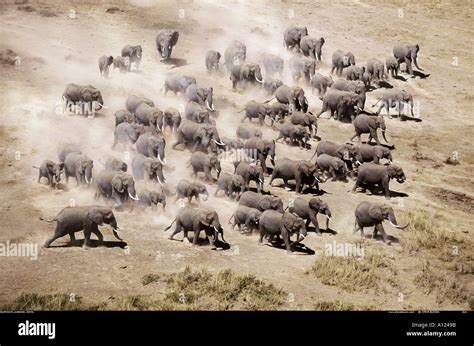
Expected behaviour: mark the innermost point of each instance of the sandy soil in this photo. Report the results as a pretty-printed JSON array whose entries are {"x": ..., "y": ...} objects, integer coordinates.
[{"x": 56, "y": 50}]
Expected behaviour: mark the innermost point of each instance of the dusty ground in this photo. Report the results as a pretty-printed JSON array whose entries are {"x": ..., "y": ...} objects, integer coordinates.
[{"x": 56, "y": 50}]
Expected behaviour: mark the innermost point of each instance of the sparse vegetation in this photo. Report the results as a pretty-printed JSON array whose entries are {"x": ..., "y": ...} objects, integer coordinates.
[
  {"x": 53, "y": 302},
  {"x": 338, "y": 305}
]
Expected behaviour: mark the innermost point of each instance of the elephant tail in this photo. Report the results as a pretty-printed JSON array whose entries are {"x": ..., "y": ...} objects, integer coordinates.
[
  {"x": 49, "y": 221},
  {"x": 167, "y": 228}
]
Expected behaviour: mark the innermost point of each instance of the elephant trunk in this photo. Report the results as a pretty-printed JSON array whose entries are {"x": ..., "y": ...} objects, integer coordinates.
[
  {"x": 116, "y": 235},
  {"x": 383, "y": 134}
]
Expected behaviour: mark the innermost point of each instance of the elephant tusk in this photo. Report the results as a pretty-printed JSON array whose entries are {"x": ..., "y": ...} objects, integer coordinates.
[
  {"x": 358, "y": 162},
  {"x": 328, "y": 218},
  {"x": 161, "y": 161},
  {"x": 134, "y": 198},
  {"x": 258, "y": 80},
  {"x": 102, "y": 105},
  {"x": 159, "y": 180},
  {"x": 220, "y": 143},
  {"x": 397, "y": 226},
  {"x": 260, "y": 180},
  {"x": 209, "y": 106},
  {"x": 87, "y": 180}
]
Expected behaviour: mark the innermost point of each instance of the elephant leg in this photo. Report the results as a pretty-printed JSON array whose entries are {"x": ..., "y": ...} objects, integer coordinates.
[
  {"x": 314, "y": 220},
  {"x": 332, "y": 172},
  {"x": 380, "y": 229},
  {"x": 97, "y": 233},
  {"x": 332, "y": 69},
  {"x": 72, "y": 237},
  {"x": 386, "y": 188},
  {"x": 286, "y": 239},
  {"x": 287, "y": 187},
  {"x": 298, "y": 184},
  {"x": 87, "y": 236},
  {"x": 176, "y": 230},
  {"x": 196, "y": 235},
  {"x": 409, "y": 69},
  {"x": 356, "y": 135},
  {"x": 373, "y": 134},
  {"x": 357, "y": 183}
]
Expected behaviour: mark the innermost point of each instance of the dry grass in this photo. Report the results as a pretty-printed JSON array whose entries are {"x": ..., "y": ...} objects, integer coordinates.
[
  {"x": 338, "y": 305},
  {"x": 50, "y": 302}
]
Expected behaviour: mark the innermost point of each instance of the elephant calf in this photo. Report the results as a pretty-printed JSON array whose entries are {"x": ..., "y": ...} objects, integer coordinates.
[
  {"x": 50, "y": 170},
  {"x": 364, "y": 123},
  {"x": 257, "y": 110},
  {"x": 261, "y": 202},
  {"x": 114, "y": 164},
  {"x": 320, "y": 83},
  {"x": 371, "y": 174},
  {"x": 332, "y": 165},
  {"x": 202, "y": 162},
  {"x": 231, "y": 184},
  {"x": 339, "y": 103},
  {"x": 172, "y": 118},
  {"x": 274, "y": 223},
  {"x": 212, "y": 60},
  {"x": 372, "y": 153},
  {"x": 250, "y": 172},
  {"x": 122, "y": 63},
  {"x": 74, "y": 219},
  {"x": 149, "y": 198},
  {"x": 393, "y": 66},
  {"x": 188, "y": 189},
  {"x": 295, "y": 133},
  {"x": 308, "y": 210},
  {"x": 305, "y": 119},
  {"x": 373, "y": 214},
  {"x": 123, "y": 116},
  {"x": 249, "y": 217},
  {"x": 246, "y": 132},
  {"x": 104, "y": 65}
]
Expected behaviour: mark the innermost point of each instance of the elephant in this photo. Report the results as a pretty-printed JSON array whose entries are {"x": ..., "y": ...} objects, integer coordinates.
[
  {"x": 309, "y": 210},
  {"x": 306, "y": 120},
  {"x": 50, "y": 170},
  {"x": 165, "y": 41},
  {"x": 250, "y": 172},
  {"x": 279, "y": 111},
  {"x": 197, "y": 113},
  {"x": 190, "y": 218},
  {"x": 364, "y": 123},
  {"x": 258, "y": 110},
  {"x": 122, "y": 63},
  {"x": 231, "y": 143},
  {"x": 231, "y": 184},
  {"x": 272, "y": 64},
  {"x": 336, "y": 167},
  {"x": 372, "y": 153},
  {"x": 188, "y": 189},
  {"x": 149, "y": 116},
  {"x": 249, "y": 73},
  {"x": 292, "y": 96},
  {"x": 271, "y": 85},
  {"x": 134, "y": 54},
  {"x": 393, "y": 66},
  {"x": 133, "y": 101},
  {"x": 149, "y": 198},
  {"x": 357, "y": 87},
  {"x": 273, "y": 223},
  {"x": 408, "y": 54},
  {"x": 355, "y": 72},
  {"x": 123, "y": 116},
  {"x": 126, "y": 133},
  {"x": 295, "y": 133},
  {"x": 301, "y": 67},
  {"x": 339, "y": 103},
  {"x": 263, "y": 148},
  {"x": 376, "y": 69},
  {"x": 247, "y": 131},
  {"x": 66, "y": 148},
  {"x": 312, "y": 46},
  {"x": 396, "y": 98},
  {"x": 172, "y": 118},
  {"x": 153, "y": 146},
  {"x": 345, "y": 152},
  {"x": 114, "y": 164},
  {"x": 202, "y": 162},
  {"x": 373, "y": 214},
  {"x": 212, "y": 60},
  {"x": 301, "y": 171},
  {"x": 117, "y": 186},
  {"x": 341, "y": 60},
  {"x": 249, "y": 217},
  {"x": 201, "y": 136},
  {"x": 86, "y": 97},
  {"x": 235, "y": 54},
  {"x": 80, "y": 167},
  {"x": 261, "y": 202},
  {"x": 292, "y": 37},
  {"x": 104, "y": 65},
  {"x": 147, "y": 168},
  {"x": 203, "y": 96},
  {"x": 178, "y": 83},
  {"x": 74, "y": 219},
  {"x": 371, "y": 174},
  {"x": 320, "y": 83}
]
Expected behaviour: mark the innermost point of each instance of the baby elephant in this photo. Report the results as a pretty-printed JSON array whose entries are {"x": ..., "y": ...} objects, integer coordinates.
[
  {"x": 369, "y": 153},
  {"x": 231, "y": 184},
  {"x": 114, "y": 164},
  {"x": 149, "y": 198},
  {"x": 188, "y": 189},
  {"x": 257, "y": 110},
  {"x": 87, "y": 218},
  {"x": 104, "y": 65},
  {"x": 212, "y": 60},
  {"x": 123, "y": 116},
  {"x": 371, "y": 174},
  {"x": 333, "y": 165},
  {"x": 122, "y": 63},
  {"x": 246, "y": 216},
  {"x": 246, "y": 132},
  {"x": 50, "y": 170},
  {"x": 202, "y": 162},
  {"x": 274, "y": 223},
  {"x": 373, "y": 214},
  {"x": 250, "y": 172},
  {"x": 171, "y": 118},
  {"x": 296, "y": 134},
  {"x": 308, "y": 210}
]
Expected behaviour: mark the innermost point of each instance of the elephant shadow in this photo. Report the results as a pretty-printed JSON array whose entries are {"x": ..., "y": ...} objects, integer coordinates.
[
  {"x": 312, "y": 229},
  {"x": 392, "y": 239},
  {"x": 298, "y": 247},
  {"x": 420, "y": 74},
  {"x": 314, "y": 191},
  {"x": 205, "y": 241},
  {"x": 93, "y": 243},
  {"x": 176, "y": 62},
  {"x": 403, "y": 79},
  {"x": 398, "y": 194},
  {"x": 406, "y": 117},
  {"x": 370, "y": 88},
  {"x": 385, "y": 85}
]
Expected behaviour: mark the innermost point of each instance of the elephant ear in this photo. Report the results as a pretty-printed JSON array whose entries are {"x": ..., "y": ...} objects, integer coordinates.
[
  {"x": 375, "y": 212},
  {"x": 86, "y": 93},
  {"x": 260, "y": 146},
  {"x": 147, "y": 165},
  {"x": 303, "y": 167},
  {"x": 117, "y": 183},
  {"x": 208, "y": 217},
  {"x": 392, "y": 171},
  {"x": 335, "y": 164},
  {"x": 288, "y": 221},
  {"x": 265, "y": 204},
  {"x": 174, "y": 38},
  {"x": 95, "y": 216}
]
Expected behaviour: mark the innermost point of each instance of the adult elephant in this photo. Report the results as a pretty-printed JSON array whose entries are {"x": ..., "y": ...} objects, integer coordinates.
[
  {"x": 256, "y": 110},
  {"x": 372, "y": 153},
  {"x": 341, "y": 60},
  {"x": 292, "y": 37},
  {"x": 152, "y": 146},
  {"x": 212, "y": 60},
  {"x": 301, "y": 67},
  {"x": 262, "y": 148},
  {"x": 233, "y": 185},
  {"x": 200, "y": 136},
  {"x": 123, "y": 116},
  {"x": 396, "y": 98},
  {"x": 271, "y": 85},
  {"x": 87, "y": 218},
  {"x": 190, "y": 218},
  {"x": 371, "y": 175},
  {"x": 339, "y": 103},
  {"x": 147, "y": 168},
  {"x": 354, "y": 72},
  {"x": 376, "y": 69},
  {"x": 345, "y": 152},
  {"x": 250, "y": 172},
  {"x": 203, "y": 96},
  {"x": 149, "y": 116},
  {"x": 364, "y": 123},
  {"x": 150, "y": 198},
  {"x": 133, "y": 101},
  {"x": 189, "y": 189},
  {"x": 357, "y": 87},
  {"x": 116, "y": 186},
  {"x": 83, "y": 96},
  {"x": 272, "y": 64},
  {"x": 301, "y": 171},
  {"x": 393, "y": 66},
  {"x": 373, "y": 214},
  {"x": 408, "y": 54},
  {"x": 165, "y": 41},
  {"x": 273, "y": 223},
  {"x": 126, "y": 133},
  {"x": 321, "y": 83},
  {"x": 178, "y": 83},
  {"x": 249, "y": 217},
  {"x": 295, "y": 133},
  {"x": 196, "y": 112},
  {"x": 202, "y": 162},
  {"x": 261, "y": 202},
  {"x": 172, "y": 118},
  {"x": 134, "y": 54},
  {"x": 235, "y": 54},
  {"x": 248, "y": 73},
  {"x": 80, "y": 167},
  {"x": 104, "y": 65},
  {"x": 309, "y": 209},
  {"x": 312, "y": 46},
  {"x": 335, "y": 166},
  {"x": 305, "y": 119},
  {"x": 294, "y": 97}
]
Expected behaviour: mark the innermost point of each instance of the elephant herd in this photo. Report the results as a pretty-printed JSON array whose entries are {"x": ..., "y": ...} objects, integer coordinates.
[{"x": 143, "y": 128}]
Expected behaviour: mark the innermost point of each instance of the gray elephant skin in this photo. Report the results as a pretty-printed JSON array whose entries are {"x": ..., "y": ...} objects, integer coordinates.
[
  {"x": 165, "y": 41},
  {"x": 336, "y": 167},
  {"x": 273, "y": 65},
  {"x": 408, "y": 54},
  {"x": 376, "y": 69},
  {"x": 80, "y": 167},
  {"x": 250, "y": 172},
  {"x": 235, "y": 54},
  {"x": 247, "y": 73},
  {"x": 396, "y": 98},
  {"x": 122, "y": 63},
  {"x": 178, "y": 83},
  {"x": 233, "y": 185},
  {"x": 372, "y": 153},
  {"x": 189, "y": 189},
  {"x": 261, "y": 202},
  {"x": 203, "y": 162},
  {"x": 116, "y": 186},
  {"x": 123, "y": 116},
  {"x": 256, "y": 110},
  {"x": 341, "y": 60},
  {"x": 371, "y": 174},
  {"x": 148, "y": 198},
  {"x": 248, "y": 131},
  {"x": 149, "y": 116},
  {"x": 249, "y": 217},
  {"x": 264, "y": 148},
  {"x": 51, "y": 171},
  {"x": 172, "y": 119},
  {"x": 292, "y": 37},
  {"x": 133, "y": 101},
  {"x": 114, "y": 164},
  {"x": 364, "y": 123},
  {"x": 203, "y": 96},
  {"x": 301, "y": 67},
  {"x": 292, "y": 96},
  {"x": 300, "y": 171},
  {"x": 79, "y": 95},
  {"x": 339, "y": 103},
  {"x": 200, "y": 136},
  {"x": 305, "y": 119},
  {"x": 312, "y": 46},
  {"x": 104, "y": 65},
  {"x": 212, "y": 60},
  {"x": 393, "y": 66},
  {"x": 295, "y": 133},
  {"x": 197, "y": 113},
  {"x": 320, "y": 83},
  {"x": 270, "y": 85},
  {"x": 134, "y": 53},
  {"x": 126, "y": 133},
  {"x": 147, "y": 168},
  {"x": 357, "y": 87},
  {"x": 153, "y": 146},
  {"x": 309, "y": 210}
]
